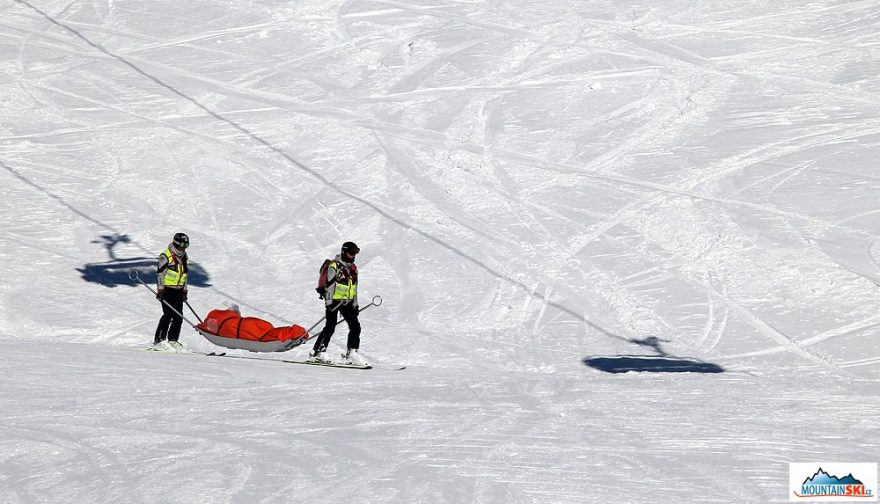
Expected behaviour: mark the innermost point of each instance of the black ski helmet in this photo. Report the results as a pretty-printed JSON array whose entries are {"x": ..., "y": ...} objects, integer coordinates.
[
  {"x": 350, "y": 247},
  {"x": 181, "y": 240}
]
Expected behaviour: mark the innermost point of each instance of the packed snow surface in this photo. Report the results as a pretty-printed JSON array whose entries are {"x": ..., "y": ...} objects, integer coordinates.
[{"x": 628, "y": 252}]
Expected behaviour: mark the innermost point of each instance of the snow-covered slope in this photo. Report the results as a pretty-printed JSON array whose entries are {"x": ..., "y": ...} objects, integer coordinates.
[{"x": 545, "y": 193}]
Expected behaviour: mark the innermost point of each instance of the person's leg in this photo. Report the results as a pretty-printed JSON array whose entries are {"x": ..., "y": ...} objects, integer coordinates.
[
  {"x": 175, "y": 299},
  {"x": 329, "y": 328},
  {"x": 350, "y": 314},
  {"x": 162, "y": 327}
]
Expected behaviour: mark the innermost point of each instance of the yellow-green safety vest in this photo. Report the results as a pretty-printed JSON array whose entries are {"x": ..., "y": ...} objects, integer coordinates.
[
  {"x": 175, "y": 274},
  {"x": 346, "y": 283}
]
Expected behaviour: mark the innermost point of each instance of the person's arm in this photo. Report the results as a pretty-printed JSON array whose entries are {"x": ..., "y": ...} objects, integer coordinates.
[
  {"x": 185, "y": 263},
  {"x": 355, "y": 300},
  {"x": 331, "y": 284},
  {"x": 160, "y": 271},
  {"x": 160, "y": 276}
]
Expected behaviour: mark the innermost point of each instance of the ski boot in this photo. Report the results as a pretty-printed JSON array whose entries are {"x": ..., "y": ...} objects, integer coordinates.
[
  {"x": 319, "y": 355},
  {"x": 353, "y": 358}
]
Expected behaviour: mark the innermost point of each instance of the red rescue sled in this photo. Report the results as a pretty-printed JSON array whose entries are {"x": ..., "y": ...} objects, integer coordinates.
[{"x": 227, "y": 328}]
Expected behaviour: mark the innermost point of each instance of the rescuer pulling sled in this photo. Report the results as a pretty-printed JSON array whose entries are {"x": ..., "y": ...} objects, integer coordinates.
[{"x": 228, "y": 329}]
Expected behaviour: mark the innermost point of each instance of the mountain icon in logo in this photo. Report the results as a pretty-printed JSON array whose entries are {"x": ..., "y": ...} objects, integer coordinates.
[{"x": 823, "y": 478}]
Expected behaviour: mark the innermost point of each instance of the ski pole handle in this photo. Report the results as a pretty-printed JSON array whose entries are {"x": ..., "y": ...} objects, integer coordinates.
[
  {"x": 377, "y": 301},
  {"x": 133, "y": 274}
]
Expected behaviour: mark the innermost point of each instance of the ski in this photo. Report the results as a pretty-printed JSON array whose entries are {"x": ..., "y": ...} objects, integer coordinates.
[
  {"x": 327, "y": 364},
  {"x": 310, "y": 363},
  {"x": 183, "y": 351},
  {"x": 163, "y": 352},
  {"x": 286, "y": 361}
]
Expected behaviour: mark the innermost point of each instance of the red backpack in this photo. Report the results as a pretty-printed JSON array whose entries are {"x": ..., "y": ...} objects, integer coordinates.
[{"x": 322, "y": 279}]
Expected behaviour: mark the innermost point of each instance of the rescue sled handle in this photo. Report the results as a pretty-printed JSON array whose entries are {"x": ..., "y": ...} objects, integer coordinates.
[
  {"x": 133, "y": 274},
  {"x": 376, "y": 301}
]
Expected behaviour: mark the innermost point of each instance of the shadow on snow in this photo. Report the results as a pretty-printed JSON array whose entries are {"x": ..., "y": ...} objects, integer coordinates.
[
  {"x": 317, "y": 174},
  {"x": 115, "y": 271},
  {"x": 662, "y": 362}
]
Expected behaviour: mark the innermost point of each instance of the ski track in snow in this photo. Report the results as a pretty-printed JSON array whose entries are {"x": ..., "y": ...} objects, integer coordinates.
[{"x": 533, "y": 187}]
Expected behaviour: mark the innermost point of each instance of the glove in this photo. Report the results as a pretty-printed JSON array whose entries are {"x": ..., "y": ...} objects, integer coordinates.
[
  {"x": 160, "y": 293},
  {"x": 184, "y": 294}
]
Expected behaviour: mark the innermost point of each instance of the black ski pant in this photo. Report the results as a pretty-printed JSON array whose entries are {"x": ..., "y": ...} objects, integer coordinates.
[
  {"x": 169, "y": 324},
  {"x": 350, "y": 314}
]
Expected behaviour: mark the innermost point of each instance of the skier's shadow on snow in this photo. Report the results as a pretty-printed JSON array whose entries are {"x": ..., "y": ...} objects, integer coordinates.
[
  {"x": 662, "y": 362},
  {"x": 115, "y": 272}
]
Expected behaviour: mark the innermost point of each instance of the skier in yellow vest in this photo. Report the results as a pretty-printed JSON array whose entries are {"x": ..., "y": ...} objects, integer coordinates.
[
  {"x": 171, "y": 287},
  {"x": 340, "y": 297}
]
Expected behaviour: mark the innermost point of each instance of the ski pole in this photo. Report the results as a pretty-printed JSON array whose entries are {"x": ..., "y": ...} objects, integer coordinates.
[
  {"x": 376, "y": 301},
  {"x": 194, "y": 312},
  {"x": 309, "y": 330},
  {"x": 133, "y": 274}
]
